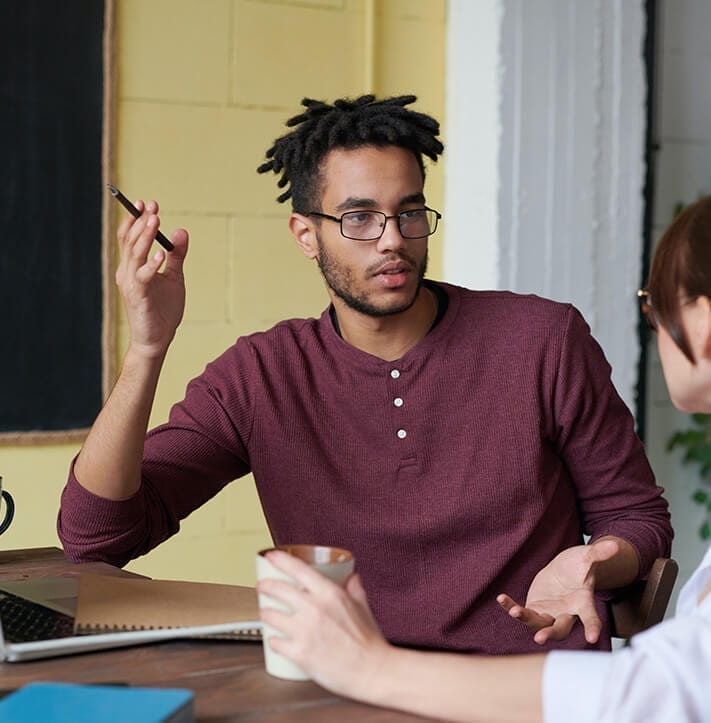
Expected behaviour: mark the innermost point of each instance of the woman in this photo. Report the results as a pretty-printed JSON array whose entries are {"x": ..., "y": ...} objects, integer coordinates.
[{"x": 666, "y": 673}]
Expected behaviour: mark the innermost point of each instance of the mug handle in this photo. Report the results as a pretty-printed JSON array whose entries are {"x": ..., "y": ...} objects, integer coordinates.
[{"x": 9, "y": 511}]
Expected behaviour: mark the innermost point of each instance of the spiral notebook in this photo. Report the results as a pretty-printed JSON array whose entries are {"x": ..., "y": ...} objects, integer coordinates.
[
  {"x": 116, "y": 604},
  {"x": 110, "y": 612}
]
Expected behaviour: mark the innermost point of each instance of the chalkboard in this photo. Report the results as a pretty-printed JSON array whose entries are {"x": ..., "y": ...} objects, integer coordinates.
[{"x": 51, "y": 91}]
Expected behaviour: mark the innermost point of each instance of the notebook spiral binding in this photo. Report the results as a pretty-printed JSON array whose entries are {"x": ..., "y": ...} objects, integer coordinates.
[{"x": 89, "y": 629}]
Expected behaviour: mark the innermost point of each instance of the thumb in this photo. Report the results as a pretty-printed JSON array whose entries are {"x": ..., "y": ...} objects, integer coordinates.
[
  {"x": 604, "y": 550},
  {"x": 179, "y": 237},
  {"x": 356, "y": 592},
  {"x": 355, "y": 589}
]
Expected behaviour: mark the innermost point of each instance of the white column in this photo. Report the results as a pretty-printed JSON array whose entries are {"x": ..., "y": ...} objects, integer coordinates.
[
  {"x": 544, "y": 174},
  {"x": 472, "y": 136}
]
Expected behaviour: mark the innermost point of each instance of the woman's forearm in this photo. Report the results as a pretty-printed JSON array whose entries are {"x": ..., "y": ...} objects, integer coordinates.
[{"x": 459, "y": 687}]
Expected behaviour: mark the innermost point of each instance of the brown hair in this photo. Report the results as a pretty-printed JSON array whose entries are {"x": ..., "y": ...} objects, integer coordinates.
[{"x": 682, "y": 269}]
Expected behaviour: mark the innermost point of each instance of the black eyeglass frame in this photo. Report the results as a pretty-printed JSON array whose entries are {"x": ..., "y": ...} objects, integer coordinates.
[
  {"x": 385, "y": 218},
  {"x": 645, "y": 306}
]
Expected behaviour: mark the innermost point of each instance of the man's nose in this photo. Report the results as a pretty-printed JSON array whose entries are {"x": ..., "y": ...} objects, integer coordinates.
[{"x": 391, "y": 238}]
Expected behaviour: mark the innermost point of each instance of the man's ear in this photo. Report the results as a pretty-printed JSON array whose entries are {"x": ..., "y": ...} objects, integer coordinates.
[{"x": 304, "y": 231}]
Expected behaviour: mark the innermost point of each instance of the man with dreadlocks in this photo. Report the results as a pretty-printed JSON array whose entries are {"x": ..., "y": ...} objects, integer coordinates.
[{"x": 458, "y": 442}]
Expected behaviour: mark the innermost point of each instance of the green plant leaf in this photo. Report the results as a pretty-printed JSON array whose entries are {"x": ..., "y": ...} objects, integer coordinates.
[
  {"x": 705, "y": 530},
  {"x": 695, "y": 443},
  {"x": 688, "y": 438}
]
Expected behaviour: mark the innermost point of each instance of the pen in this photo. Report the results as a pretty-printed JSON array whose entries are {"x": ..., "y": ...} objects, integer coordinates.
[{"x": 160, "y": 238}]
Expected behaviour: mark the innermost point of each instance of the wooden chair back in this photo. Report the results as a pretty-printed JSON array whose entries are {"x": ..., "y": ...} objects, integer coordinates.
[{"x": 643, "y": 604}]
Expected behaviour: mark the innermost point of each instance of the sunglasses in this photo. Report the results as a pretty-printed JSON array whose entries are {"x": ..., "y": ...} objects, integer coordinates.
[{"x": 645, "y": 306}]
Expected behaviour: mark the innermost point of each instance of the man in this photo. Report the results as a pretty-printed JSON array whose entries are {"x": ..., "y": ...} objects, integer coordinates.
[
  {"x": 662, "y": 675},
  {"x": 459, "y": 443}
]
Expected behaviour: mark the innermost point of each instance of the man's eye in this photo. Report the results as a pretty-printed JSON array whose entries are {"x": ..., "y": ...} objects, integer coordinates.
[
  {"x": 359, "y": 219},
  {"x": 413, "y": 215}
]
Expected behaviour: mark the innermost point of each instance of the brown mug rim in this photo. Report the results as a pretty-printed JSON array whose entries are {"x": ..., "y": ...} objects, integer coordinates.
[{"x": 337, "y": 554}]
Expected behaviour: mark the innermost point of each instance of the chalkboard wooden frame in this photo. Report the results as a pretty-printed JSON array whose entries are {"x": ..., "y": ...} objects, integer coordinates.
[{"x": 42, "y": 436}]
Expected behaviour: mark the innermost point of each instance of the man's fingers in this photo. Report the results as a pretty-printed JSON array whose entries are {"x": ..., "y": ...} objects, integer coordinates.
[
  {"x": 531, "y": 618},
  {"x": 559, "y": 630},
  {"x": 506, "y": 602},
  {"x": 526, "y": 615},
  {"x": 591, "y": 624},
  {"x": 150, "y": 268},
  {"x": 126, "y": 223}
]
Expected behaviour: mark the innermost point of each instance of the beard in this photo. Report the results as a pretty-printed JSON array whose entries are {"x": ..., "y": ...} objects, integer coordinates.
[{"x": 340, "y": 280}]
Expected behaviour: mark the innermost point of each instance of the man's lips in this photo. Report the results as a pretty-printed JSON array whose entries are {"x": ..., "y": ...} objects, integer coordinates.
[
  {"x": 392, "y": 268},
  {"x": 393, "y": 275}
]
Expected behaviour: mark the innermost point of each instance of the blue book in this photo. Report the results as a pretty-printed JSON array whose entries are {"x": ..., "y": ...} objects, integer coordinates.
[{"x": 64, "y": 702}]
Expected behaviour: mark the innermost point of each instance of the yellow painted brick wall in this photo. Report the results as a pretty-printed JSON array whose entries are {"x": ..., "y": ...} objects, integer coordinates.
[{"x": 204, "y": 88}]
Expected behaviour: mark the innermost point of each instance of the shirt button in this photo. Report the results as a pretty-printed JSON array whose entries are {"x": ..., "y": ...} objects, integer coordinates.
[
  {"x": 398, "y": 402},
  {"x": 395, "y": 373},
  {"x": 401, "y": 433}
]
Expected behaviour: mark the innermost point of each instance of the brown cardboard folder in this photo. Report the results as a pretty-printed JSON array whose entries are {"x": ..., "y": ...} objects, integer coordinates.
[{"x": 108, "y": 603}]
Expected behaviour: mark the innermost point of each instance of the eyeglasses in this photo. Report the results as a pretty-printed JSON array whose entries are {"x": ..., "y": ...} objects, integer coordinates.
[
  {"x": 645, "y": 306},
  {"x": 370, "y": 225}
]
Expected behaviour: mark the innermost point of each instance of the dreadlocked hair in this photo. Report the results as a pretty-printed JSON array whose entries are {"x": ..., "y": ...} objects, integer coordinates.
[{"x": 348, "y": 124}]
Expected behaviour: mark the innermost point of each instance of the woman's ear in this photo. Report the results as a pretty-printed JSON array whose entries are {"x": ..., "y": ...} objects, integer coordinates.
[
  {"x": 704, "y": 304},
  {"x": 303, "y": 230}
]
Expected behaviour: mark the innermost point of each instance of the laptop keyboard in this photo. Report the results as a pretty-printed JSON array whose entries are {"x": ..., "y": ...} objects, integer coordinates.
[{"x": 24, "y": 621}]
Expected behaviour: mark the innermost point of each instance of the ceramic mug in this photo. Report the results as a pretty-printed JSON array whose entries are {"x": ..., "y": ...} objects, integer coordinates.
[
  {"x": 333, "y": 562},
  {"x": 9, "y": 509}
]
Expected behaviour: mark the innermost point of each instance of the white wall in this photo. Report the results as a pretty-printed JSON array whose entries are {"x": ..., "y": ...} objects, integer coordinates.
[
  {"x": 683, "y": 172},
  {"x": 543, "y": 185}
]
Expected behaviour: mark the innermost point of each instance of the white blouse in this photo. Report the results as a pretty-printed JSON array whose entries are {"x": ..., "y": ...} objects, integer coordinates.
[{"x": 664, "y": 675}]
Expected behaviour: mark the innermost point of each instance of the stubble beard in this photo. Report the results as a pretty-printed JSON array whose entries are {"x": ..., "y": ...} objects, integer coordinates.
[{"x": 340, "y": 280}]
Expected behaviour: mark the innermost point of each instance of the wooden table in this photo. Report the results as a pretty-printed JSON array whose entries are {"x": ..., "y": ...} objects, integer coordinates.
[{"x": 227, "y": 678}]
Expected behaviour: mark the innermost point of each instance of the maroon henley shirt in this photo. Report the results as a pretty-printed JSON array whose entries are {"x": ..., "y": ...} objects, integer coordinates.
[{"x": 453, "y": 474}]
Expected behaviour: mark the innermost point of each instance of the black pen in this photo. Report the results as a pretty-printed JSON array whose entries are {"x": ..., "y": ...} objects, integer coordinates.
[{"x": 160, "y": 238}]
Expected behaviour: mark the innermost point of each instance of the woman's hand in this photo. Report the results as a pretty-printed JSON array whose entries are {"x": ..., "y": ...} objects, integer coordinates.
[{"x": 330, "y": 633}]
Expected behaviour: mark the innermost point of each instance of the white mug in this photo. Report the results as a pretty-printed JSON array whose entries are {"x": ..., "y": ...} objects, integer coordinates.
[{"x": 333, "y": 562}]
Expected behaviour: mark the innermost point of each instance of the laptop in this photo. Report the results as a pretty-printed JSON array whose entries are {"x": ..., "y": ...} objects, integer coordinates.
[{"x": 37, "y": 621}]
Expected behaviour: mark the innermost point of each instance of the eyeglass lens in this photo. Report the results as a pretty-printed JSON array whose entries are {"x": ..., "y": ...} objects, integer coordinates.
[{"x": 368, "y": 225}]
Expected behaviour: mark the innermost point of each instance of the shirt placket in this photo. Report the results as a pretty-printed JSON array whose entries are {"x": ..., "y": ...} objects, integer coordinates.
[{"x": 397, "y": 392}]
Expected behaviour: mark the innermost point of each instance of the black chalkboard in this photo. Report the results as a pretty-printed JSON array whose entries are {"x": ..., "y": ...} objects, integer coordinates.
[{"x": 51, "y": 86}]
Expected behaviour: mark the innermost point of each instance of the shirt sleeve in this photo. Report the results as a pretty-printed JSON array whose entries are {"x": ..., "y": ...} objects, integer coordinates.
[
  {"x": 663, "y": 676},
  {"x": 563, "y": 676},
  {"x": 186, "y": 462},
  {"x": 594, "y": 434}
]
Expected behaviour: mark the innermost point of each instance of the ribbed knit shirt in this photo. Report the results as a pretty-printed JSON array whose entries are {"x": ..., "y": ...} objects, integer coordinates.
[{"x": 453, "y": 474}]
